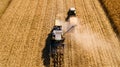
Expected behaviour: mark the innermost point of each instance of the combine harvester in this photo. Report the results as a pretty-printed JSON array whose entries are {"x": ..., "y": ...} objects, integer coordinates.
[{"x": 57, "y": 40}]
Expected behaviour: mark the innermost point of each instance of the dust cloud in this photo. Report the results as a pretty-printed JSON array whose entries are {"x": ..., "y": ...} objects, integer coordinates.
[{"x": 83, "y": 36}]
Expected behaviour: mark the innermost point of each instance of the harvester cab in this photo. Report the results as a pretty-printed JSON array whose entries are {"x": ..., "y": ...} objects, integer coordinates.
[{"x": 57, "y": 33}]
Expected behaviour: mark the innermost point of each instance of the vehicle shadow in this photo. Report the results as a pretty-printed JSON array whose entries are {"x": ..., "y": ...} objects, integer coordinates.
[{"x": 46, "y": 51}]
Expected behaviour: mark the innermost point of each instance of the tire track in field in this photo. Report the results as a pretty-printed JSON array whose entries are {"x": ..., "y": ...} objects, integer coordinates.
[
  {"x": 8, "y": 15},
  {"x": 38, "y": 33},
  {"x": 23, "y": 30},
  {"x": 113, "y": 36},
  {"x": 31, "y": 45},
  {"x": 11, "y": 35},
  {"x": 68, "y": 60},
  {"x": 6, "y": 43},
  {"x": 112, "y": 11}
]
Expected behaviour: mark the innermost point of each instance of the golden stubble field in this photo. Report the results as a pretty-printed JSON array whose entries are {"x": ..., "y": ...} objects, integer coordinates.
[
  {"x": 25, "y": 25},
  {"x": 112, "y": 7}
]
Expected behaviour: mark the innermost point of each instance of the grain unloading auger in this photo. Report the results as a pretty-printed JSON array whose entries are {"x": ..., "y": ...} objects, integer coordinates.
[{"x": 57, "y": 41}]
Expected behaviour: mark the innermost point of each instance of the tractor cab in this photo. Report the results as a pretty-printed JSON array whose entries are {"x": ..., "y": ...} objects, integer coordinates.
[{"x": 71, "y": 12}]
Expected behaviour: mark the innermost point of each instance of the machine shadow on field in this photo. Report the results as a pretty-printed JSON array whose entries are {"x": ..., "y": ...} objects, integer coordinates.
[{"x": 46, "y": 51}]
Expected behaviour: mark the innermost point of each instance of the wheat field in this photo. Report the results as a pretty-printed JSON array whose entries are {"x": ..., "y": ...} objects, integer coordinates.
[{"x": 25, "y": 25}]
